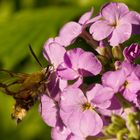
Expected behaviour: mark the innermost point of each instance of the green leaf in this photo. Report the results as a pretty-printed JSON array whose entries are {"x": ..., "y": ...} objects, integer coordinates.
[{"x": 34, "y": 27}]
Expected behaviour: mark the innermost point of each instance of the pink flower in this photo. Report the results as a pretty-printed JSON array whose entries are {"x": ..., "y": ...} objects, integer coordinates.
[
  {"x": 64, "y": 134},
  {"x": 49, "y": 111},
  {"x": 114, "y": 79},
  {"x": 71, "y": 30},
  {"x": 58, "y": 133},
  {"x": 132, "y": 52},
  {"x": 115, "y": 23},
  {"x": 137, "y": 70},
  {"x": 54, "y": 52},
  {"x": 77, "y": 63},
  {"x": 78, "y": 111},
  {"x": 131, "y": 87},
  {"x": 137, "y": 100},
  {"x": 124, "y": 80}
]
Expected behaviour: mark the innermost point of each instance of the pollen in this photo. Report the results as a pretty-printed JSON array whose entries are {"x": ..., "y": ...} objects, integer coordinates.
[
  {"x": 125, "y": 84},
  {"x": 86, "y": 106}
]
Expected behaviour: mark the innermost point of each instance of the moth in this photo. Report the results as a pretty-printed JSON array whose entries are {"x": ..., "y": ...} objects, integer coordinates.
[{"x": 24, "y": 88}]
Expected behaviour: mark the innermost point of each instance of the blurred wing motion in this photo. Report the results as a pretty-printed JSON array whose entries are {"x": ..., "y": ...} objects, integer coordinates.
[{"x": 24, "y": 88}]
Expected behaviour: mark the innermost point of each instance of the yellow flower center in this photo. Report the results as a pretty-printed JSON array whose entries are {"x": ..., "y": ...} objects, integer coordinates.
[
  {"x": 86, "y": 106},
  {"x": 125, "y": 84}
]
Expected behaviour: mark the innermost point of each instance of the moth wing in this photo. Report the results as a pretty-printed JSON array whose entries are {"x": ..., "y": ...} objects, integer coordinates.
[{"x": 10, "y": 82}]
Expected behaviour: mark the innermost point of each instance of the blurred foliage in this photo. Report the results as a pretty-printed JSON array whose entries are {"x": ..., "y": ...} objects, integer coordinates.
[{"x": 24, "y": 22}]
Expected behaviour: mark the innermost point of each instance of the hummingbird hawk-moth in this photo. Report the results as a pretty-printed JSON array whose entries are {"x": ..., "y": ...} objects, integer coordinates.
[{"x": 24, "y": 88}]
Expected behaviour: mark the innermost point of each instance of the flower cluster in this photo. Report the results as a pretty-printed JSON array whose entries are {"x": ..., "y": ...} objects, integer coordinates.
[{"x": 74, "y": 107}]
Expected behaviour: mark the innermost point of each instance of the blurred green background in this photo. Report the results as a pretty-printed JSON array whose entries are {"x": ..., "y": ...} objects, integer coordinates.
[{"x": 34, "y": 21}]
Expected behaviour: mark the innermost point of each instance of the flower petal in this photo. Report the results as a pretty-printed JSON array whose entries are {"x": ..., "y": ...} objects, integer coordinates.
[
  {"x": 66, "y": 73},
  {"x": 92, "y": 20},
  {"x": 60, "y": 134},
  {"x": 71, "y": 99},
  {"x": 100, "y": 95},
  {"x": 70, "y": 31},
  {"x": 72, "y": 57},
  {"x": 101, "y": 30},
  {"x": 115, "y": 108},
  {"x": 132, "y": 88},
  {"x": 127, "y": 67},
  {"x": 113, "y": 10},
  {"x": 74, "y": 137},
  {"x": 62, "y": 84},
  {"x": 46, "y": 51},
  {"x": 65, "y": 115},
  {"x": 85, "y": 17},
  {"x": 62, "y": 41},
  {"x": 130, "y": 96},
  {"x": 48, "y": 110},
  {"x": 74, "y": 123},
  {"x": 77, "y": 83},
  {"x": 114, "y": 79},
  {"x": 88, "y": 128},
  {"x": 137, "y": 100},
  {"x": 120, "y": 34},
  {"x": 55, "y": 52},
  {"x": 53, "y": 86},
  {"x": 83, "y": 126},
  {"x": 131, "y": 17},
  {"x": 132, "y": 52},
  {"x": 137, "y": 70},
  {"x": 89, "y": 64}
]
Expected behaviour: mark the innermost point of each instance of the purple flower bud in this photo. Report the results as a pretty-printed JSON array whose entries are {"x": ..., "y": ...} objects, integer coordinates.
[{"x": 132, "y": 52}]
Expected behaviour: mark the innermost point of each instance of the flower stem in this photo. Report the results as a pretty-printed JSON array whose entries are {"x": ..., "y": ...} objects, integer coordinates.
[{"x": 88, "y": 38}]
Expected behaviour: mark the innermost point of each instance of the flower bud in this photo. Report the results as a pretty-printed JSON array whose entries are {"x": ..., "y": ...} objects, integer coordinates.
[
  {"x": 118, "y": 120},
  {"x": 117, "y": 53},
  {"x": 132, "y": 126},
  {"x": 104, "y": 51},
  {"x": 112, "y": 129},
  {"x": 121, "y": 134},
  {"x": 132, "y": 52},
  {"x": 102, "y": 59}
]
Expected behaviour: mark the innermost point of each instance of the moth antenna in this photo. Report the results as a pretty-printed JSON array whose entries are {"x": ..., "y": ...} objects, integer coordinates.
[{"x": 34, "y": 55}]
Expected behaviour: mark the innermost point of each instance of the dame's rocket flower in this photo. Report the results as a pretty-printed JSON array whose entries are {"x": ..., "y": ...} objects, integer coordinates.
[
  {"x": 54, "y": 52},
  {"x": 124, "y": 80},
  {"x": 137, "y": 100},
  {"x": 78, "y": 111},
  {"x": 71, "y": 30},
  {"x": 78, "y": 63},
  {"x": 64, "y": 134},
  {"x": 60, "y": 133},
  {"x": 137, "y": 70},
  {"x": 132, "y": 52},
  {"x": 115, "y": 23},
  {"x": 49, "y": 110}
]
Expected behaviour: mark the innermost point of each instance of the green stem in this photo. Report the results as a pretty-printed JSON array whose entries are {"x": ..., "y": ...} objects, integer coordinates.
[
  {"x": 88, "y": 38},
  {"x": 125, "y": 104}
]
